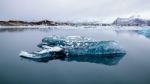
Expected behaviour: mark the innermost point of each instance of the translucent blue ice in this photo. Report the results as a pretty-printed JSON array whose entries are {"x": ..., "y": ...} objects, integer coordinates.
[
  {"x": 76, "y": 47},
  {"x": 145, "y": 32}
]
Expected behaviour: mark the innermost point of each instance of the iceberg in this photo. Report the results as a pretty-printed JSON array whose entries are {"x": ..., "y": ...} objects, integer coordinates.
[
  {"x": 77, "y": 47},
  {"x": 145, "y": 32}
]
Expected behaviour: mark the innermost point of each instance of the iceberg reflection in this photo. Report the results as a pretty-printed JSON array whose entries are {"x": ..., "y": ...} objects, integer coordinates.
[{"x": 108, "y": 59}]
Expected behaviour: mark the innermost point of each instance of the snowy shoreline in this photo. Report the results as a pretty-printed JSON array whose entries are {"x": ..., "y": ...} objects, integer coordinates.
[{"x": 78, "y": 27}]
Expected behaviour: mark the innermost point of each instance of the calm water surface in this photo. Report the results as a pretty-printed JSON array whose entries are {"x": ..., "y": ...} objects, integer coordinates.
[{"x": 133, "y": 68}]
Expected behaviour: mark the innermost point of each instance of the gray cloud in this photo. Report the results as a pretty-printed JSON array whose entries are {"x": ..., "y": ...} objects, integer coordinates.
[{"x": 71, "y": 9}]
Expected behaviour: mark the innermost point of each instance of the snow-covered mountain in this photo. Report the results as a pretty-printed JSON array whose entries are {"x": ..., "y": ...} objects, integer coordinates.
[{"x": 132, "y": 21}]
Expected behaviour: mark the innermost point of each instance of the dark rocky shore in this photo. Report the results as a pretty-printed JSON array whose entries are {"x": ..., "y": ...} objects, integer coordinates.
[
  {"x": 44, "y": 22},
  {"x": 131, "y": 21}
]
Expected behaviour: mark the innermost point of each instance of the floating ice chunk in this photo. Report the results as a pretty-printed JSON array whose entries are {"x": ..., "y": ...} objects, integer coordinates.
[
  {"x": 48, "y": 52},
  {"x": 30, "y": 55},
  {"x": 24, "y": 53},
  {"x": 145, "y": 32},
  {"x": 75, "y": 46}
]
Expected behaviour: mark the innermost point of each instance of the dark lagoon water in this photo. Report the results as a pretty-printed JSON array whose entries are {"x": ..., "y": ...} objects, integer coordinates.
[{"x": 133, "y": 68}]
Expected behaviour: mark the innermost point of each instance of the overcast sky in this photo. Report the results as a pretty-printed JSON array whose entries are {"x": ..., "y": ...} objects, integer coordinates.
[{"x": 72, "y": 9}]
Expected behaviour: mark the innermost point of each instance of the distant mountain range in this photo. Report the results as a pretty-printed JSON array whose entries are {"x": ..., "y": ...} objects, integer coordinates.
[{"x": 132, "y": 21}]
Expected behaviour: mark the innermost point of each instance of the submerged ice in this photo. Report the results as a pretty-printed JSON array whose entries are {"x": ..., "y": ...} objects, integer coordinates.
[{"x": 75, "y": 47}]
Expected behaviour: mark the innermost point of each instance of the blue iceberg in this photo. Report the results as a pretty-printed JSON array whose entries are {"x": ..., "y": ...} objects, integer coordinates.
[
  {"x": 76, "y": 47},
  {"x": 145, "y": 32}
]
